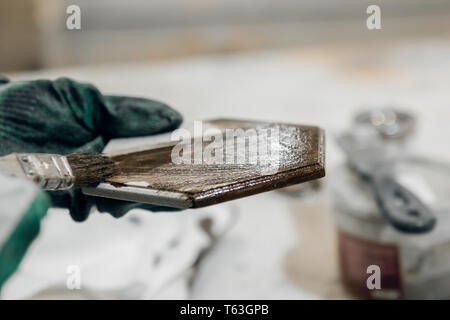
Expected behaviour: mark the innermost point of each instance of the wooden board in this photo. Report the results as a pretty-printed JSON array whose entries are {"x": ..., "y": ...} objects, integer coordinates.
[{"x": 150, "y": 175}]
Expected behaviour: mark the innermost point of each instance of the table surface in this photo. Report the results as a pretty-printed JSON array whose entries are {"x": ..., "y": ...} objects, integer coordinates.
[{"x": 283, "y": 246}]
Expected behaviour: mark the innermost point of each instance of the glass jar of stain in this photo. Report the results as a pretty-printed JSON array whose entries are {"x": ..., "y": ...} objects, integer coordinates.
[{"x": 392, "y": 211}]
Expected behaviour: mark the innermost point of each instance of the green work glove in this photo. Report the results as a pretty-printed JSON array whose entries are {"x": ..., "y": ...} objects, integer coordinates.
[{"x": 65, "y": 116}]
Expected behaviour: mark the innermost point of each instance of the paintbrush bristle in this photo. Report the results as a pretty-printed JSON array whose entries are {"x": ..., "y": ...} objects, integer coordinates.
[{"x": 91, "y": 168}]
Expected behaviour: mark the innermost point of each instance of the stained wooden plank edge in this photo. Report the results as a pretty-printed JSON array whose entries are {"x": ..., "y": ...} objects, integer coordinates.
[
  {"x": 243, "y": 190},
  {"x": 264, "y": 183}
]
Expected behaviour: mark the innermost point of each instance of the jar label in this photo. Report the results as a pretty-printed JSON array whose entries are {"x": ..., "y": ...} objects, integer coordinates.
[{"x": 369, "y": 269}]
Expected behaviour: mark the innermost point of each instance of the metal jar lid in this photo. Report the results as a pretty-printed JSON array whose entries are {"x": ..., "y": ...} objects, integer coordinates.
[{"x": 389, "y": 122}]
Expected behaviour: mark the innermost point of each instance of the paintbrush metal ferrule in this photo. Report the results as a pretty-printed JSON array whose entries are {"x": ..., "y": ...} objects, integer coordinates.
[
  {"x": 58, "y": 172},
  {"x": 48, "y": 171}
]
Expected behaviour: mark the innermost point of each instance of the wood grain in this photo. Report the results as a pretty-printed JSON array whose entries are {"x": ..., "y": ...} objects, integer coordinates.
[{"x": 300, "y": 159}]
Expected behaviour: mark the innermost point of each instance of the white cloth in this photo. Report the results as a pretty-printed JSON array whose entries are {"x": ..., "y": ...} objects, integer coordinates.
[{"x": 136, "y": 257}]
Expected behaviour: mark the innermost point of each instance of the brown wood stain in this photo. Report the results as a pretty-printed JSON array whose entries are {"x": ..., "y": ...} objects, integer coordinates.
[{"x": 300, "y": 158}]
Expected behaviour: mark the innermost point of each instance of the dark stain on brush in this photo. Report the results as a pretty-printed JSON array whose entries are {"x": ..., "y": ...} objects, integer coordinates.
[{"x": 90, "y": 169}]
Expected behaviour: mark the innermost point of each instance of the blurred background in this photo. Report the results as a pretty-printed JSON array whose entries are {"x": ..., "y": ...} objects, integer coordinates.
[
  {"x": 34, "y": 33},
  {"x": 309, "y": 62}
]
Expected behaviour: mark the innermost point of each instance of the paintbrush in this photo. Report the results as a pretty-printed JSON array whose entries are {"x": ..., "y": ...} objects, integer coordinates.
[{"x": 57, "y": 172}]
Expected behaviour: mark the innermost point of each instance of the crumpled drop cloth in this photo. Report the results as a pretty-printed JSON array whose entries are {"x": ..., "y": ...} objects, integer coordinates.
[{"x": 143, "y": 255}]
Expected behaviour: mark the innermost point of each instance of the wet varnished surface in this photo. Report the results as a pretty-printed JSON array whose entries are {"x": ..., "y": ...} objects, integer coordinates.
[{"x": 301, "y": 158}]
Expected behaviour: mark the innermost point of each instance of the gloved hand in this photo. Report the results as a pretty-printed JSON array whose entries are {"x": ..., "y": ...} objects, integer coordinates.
[{"x": 65, "y": 116}]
